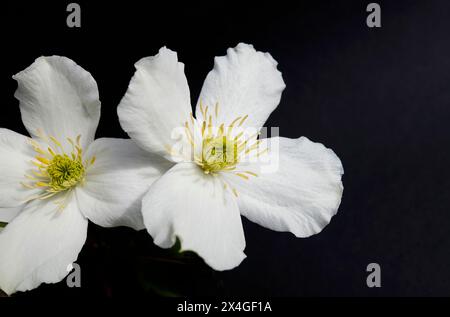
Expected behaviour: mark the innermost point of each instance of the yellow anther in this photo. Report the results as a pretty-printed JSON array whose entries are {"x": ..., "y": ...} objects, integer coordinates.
[
  {"x": 42, "y": 160},
  {"x": 241, "y": 175},
  {"x": 217, "y": 110},
  {"x": 243, "y": 120},
  {"x": 51, "y": 151},
  {"x": 56, "y": 142},
  {"x": 251, "y": 173}
]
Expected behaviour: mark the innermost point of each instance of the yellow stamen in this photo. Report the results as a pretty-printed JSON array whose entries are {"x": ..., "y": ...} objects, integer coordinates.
[
  {"x": 56, "y": 171},
  {"x": 42, "y": 160},
  {"x": 242, "y": 175},
  {"x": 221, "y": 148},
  {"x": 251, "y": 173},
  {"x": 243, "y": 120}
]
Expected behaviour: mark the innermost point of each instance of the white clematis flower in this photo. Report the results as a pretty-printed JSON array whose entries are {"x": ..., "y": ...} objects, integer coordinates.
[
  {"x": 223, "y": 174},
  {"x": 51, "y": 183}
]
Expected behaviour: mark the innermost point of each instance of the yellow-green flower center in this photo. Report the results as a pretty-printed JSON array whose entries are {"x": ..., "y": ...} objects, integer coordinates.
[
  {"x": 64, "y": 172},
  {"x": 55, "y": 170},
  {"x": 219, "y": 153},
  {"x": 218, "y": 147}
]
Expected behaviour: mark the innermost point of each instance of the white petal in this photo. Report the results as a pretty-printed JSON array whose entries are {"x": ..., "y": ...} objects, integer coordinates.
[
  {"x": 16, "y": 154},
  {"x": 157, "y": 102},
  {"x": 59, "y": 98},
  {"x": 299, "y": 196},
  {"x": 9, "y": 213},
  {"x": 244, "y": 82},
  {"x": 39, "y": 244},
  {"x": 186, "y": 203},
  {"x": 121, "y": 174}
]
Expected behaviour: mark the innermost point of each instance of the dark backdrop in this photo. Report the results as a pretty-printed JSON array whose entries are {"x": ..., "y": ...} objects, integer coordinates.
[{"x": 378, "y": 97}]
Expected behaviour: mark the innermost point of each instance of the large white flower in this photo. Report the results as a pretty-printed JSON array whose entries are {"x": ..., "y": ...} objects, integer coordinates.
[
  {"x": 51, "y": 183},
  {"x": 222, "y": 174}
]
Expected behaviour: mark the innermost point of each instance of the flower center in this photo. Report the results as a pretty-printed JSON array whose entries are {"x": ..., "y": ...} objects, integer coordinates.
[
  {"x": 64, "y": 172},
  {"x": 219, "y": 153},
  {"x": 55, "y": 170},
  {"x": 218, "y": 147}
]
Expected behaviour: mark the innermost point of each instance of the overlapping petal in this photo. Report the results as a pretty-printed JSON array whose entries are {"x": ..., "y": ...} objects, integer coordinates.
[
  {"x": 188, "y": 204},
  {"x": 39, "y": 244},
  {"x": 157, "y": 102},
  {"x": 114, "y": 185},
  {"x": 9, "y": 213},
  {"x": 299, "y": 191},
  {"x": 16, "y": 154}
]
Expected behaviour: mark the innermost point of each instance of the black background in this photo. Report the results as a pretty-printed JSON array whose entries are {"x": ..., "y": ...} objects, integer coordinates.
[{"x": 378, "y": 97}]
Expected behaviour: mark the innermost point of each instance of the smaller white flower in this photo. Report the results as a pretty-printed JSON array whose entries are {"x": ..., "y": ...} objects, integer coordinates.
[
  {"x": 220, "y": 172},
  {"x": 51, "y": 183}
]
